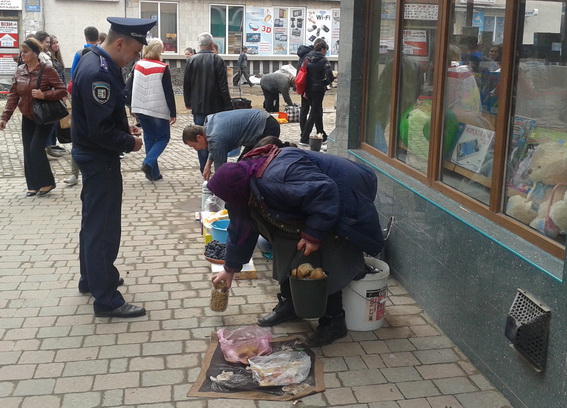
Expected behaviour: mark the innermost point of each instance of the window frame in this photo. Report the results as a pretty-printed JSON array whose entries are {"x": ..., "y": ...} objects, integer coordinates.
[
  {"x": 226, "y": 7},
  {"x": 494, "y": 211},
  {"x": 158, "y": 25}
]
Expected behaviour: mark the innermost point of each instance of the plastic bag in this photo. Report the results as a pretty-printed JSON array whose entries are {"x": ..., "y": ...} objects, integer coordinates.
[
  {"x": 213, "y": 204},
  {"x": 281, "y": 368},
  {"x": 239, "y": 345}
]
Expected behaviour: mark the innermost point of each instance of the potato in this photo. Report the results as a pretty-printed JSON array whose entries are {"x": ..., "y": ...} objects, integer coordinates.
[
  {"x": 304, "y": 270},
  {"x": 318, "y": 273},
  {"x": 294, "y": 272}
]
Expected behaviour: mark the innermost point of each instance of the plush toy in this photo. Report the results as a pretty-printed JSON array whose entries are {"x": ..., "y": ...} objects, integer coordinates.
[
  {"x": 558, "y": 214},
  {"x": 547, "y": 169}
]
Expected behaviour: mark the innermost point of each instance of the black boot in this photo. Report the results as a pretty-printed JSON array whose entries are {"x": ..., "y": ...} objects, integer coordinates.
[
  {"x": 330, "y": 328},
  {"x": 283, "y": 312}
]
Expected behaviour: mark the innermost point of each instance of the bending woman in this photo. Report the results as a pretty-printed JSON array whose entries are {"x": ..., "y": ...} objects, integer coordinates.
[
  {"x": 39, "y": 177},
  {"x": 300, "y": 201}
]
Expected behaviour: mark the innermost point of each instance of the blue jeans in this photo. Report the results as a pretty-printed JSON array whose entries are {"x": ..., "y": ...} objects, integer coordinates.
[
  {"x": 156, "y": 137},
  {"x": 203, "y": 155}
]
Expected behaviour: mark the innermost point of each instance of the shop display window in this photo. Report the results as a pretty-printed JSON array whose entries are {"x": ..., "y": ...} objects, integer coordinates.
[
  {"x": 536, "y": 171},
  {"x": 380, "y": 80},
  {"x": 470, "y": 105},
  {"x": 226, "y": 27},
  {"x": 166, "y": 29}
]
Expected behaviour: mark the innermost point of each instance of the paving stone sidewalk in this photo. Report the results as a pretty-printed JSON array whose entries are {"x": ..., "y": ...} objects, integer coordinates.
[{"x": 55, "y": 353}]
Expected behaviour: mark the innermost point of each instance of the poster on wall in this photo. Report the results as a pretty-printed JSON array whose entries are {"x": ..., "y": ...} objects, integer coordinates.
[
  {"x": 281, "y": 33},
  {"x": 335, "y": 32},
  {"x": 9, "y": 34},
  {"x": 297, "y": 29},
  {"x": 7, "y": 64},
  {"x": 258, "y": 30},
  {"x": 415, "y": 42},
  {"x": 10, "y": 4},
  {"x": 318, "y": 25}
]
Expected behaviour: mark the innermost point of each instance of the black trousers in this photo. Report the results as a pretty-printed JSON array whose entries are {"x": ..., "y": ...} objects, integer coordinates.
[
  {"x": 271, "y": 101},
  {"x": 99, "y": 238},
  {"x": 313, "y": 103},
  {"x": 36, "y": 166}
]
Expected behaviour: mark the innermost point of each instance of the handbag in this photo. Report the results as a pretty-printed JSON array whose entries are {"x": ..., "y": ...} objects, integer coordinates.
[
  {"x": 46, "y": 112},
  {"x": 293, "y": 112}
]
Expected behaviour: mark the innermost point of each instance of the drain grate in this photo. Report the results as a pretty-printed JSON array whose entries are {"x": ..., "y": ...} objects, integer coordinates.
[{"x": 527, "y": 327}]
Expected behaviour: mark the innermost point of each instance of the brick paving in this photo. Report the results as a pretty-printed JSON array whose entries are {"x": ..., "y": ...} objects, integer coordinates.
[{"x": 55, "y": 353}]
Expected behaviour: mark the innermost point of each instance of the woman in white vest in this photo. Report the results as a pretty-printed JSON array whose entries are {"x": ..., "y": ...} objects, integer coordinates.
[{"x": 153, "y": 102}]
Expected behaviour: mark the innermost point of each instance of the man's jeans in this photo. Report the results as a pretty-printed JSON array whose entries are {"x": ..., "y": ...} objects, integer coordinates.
[{"x": 156, "y": 137}]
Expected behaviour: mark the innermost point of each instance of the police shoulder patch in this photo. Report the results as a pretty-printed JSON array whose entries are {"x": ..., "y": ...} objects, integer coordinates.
[{"x": 101, "y": 91}]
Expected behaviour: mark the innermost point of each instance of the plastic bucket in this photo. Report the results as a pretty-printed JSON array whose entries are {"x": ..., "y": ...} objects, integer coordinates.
[
  {"x": 315, "y": 144},
  {"x": 218, "y": 230},
  {"x": 282, "y": 115},
  {"x": 364, "y": 300},
  {"x": 309, "y": 297}
]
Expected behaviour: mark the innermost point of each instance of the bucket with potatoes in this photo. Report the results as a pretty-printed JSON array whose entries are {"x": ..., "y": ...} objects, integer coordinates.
[{"x": 308, "y": 282}]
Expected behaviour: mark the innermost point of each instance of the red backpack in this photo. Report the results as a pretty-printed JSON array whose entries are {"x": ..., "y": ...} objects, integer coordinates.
[{"x": 301, "y": 78}]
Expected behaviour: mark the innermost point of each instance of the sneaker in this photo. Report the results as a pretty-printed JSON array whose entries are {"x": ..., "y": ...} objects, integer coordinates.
[
  {"x": 71, "y": 180},
  {"x": 58, "y": 149},
  {"x": 304, "y": 144},
  {"x": 52, "y": 153}
]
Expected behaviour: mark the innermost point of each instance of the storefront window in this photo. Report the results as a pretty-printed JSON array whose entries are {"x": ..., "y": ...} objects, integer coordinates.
[
  {"x": 471, "y": 101},
  {"x": 416, "y": 82},
  {"x": 537, "y": 152},
  {"x": 166, "y": 28},
  {"x": 226, "y": 28},
  {"x": 381, "y": 74}
]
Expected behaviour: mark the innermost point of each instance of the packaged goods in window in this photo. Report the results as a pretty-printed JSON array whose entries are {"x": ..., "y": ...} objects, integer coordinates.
[{"x": 474, "y": 144}]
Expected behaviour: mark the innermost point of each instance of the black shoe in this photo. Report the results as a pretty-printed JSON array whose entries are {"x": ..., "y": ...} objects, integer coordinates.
[
  {"x": 84, "y": 286},
  {"x": 59, "y": 149},
  {"x": 147, "y": 171},
  {"x": 159, "y": 178},
  {"x": 126, "y": 310},
  {"x": 330, "y": 328},
  {"x": 283, "y": 312},
  {"x": 31, "y": 193},
  {"x": 42, "y": 193}
]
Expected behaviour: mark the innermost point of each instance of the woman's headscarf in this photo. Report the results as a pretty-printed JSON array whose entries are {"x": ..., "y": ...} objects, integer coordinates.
[{"x": 231, "y": 182}]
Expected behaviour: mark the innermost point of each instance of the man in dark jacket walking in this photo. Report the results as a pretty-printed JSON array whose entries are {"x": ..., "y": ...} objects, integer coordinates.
[
  {"x": 205, "y": 86},
  {"x": 242, "y": 65}
]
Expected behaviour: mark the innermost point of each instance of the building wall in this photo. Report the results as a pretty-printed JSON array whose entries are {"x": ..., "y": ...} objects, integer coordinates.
[{"x": 461, "y": 268}]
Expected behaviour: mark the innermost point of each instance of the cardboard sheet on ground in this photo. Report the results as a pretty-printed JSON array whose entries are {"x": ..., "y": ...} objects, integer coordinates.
[{"x": 241, "y": 384}]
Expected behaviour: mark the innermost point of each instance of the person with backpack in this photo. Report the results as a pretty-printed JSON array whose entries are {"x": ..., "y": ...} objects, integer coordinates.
[{"x": 319, "y": 76}]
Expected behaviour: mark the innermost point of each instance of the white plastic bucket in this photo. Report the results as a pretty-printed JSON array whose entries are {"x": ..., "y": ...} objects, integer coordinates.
[{"x": 364, "y": 300}]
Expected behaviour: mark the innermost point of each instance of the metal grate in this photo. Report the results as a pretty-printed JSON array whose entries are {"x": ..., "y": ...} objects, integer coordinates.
[{"x": 527, "y": 327}]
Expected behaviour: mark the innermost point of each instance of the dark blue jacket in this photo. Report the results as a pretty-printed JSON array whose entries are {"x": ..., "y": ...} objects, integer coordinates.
[
  {"x": 325, "y": 193},
  {"x": 99, "y": 115}
]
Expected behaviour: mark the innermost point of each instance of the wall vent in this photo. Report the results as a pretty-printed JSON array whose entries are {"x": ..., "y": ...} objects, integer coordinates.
[{"x": 527, "y": 328}]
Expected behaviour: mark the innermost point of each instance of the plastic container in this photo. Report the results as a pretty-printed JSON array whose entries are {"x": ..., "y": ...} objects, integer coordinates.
[
  {"x": 315, "y": 144},
  {"x": 205, "y": 193},
  {"x": 219, "y": 230},
  {"x": 282, "y": 115},
  {"x": 219, "y": 297},
  {"x": 309, "y": 297},
  {"x": 364, "y": 300}
]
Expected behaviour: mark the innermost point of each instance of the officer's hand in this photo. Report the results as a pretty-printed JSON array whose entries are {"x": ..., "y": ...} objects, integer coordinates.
[
  {"x": 135, "y": 130},
  {"x": 137, "y": 143},
  {"x": 2, "y": 124}
]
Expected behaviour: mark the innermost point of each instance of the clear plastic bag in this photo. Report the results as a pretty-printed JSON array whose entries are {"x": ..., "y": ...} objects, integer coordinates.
[
  {"x": 213, "y": 204},
  {"x": 281, "y": 368},
  {"x": 239, "y": 345}
]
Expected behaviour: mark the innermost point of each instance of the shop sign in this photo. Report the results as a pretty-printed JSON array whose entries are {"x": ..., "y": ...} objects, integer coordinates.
[
  {"x": 33, "y": 5},
  {"x": 318, "y": 25},
  {"x": 258, "y": 30},
  {"x": 7, "y": 64},
  {"x": 10, "y": 4},
  {"x": 297, "y": 28},
  {"x": 9, "y": 34},
  {"x": 421, "y": 11},
  {"x": 477, "y": 2}
]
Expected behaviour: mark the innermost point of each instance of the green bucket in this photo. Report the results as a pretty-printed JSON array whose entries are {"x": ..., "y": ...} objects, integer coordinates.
[{"x": 309, "y": 296}]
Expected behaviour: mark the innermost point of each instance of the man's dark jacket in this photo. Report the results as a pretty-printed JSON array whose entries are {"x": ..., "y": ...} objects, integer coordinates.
[{"x": 205, "y": 86}]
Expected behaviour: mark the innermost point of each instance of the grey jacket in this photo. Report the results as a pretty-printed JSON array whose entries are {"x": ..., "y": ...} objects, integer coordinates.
[{"x": 279, "y": 82}]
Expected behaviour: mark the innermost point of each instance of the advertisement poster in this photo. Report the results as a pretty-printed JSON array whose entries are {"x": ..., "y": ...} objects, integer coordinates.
[
  {"x": 9, "y": 34},
  {"x": 415, "y": 42},
  {"x": 318, "y": 25},
  {"x": 335, "y": 32},
  {"x": 472, "y": 146},
  {"x": 281, "y": 33},
  {"x": 10, "y": 4},
  {"x": 297, "y": 28},
  {"x": 421, "y": 11},
  {"x": 258, "y": 30},
  {"x": 7, "y": 64}
]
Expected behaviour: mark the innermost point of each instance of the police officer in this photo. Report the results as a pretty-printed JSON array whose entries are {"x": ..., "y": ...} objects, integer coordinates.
[{"x": 100, "y": 133}]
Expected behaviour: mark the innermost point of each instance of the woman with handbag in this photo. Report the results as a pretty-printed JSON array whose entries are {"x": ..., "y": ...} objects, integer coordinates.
[{"x": 34, "y": 81}]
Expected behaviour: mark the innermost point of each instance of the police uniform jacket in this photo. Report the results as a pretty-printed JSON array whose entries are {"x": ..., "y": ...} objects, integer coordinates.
[
  {"x": 99, "y": 115},
  {"x": 23, "y": 83}
]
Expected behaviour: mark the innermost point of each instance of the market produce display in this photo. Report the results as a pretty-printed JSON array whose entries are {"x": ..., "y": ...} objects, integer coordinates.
[
  {"x": 307, "y": 271},
  {"x": 215, "y": 250}
]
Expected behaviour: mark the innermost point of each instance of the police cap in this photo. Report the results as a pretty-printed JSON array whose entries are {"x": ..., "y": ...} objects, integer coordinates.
[{"x": 136, "y": 28}]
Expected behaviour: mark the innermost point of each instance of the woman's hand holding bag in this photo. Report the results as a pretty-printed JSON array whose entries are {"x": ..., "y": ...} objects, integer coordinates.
[{"x": 46, "y": 112}]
